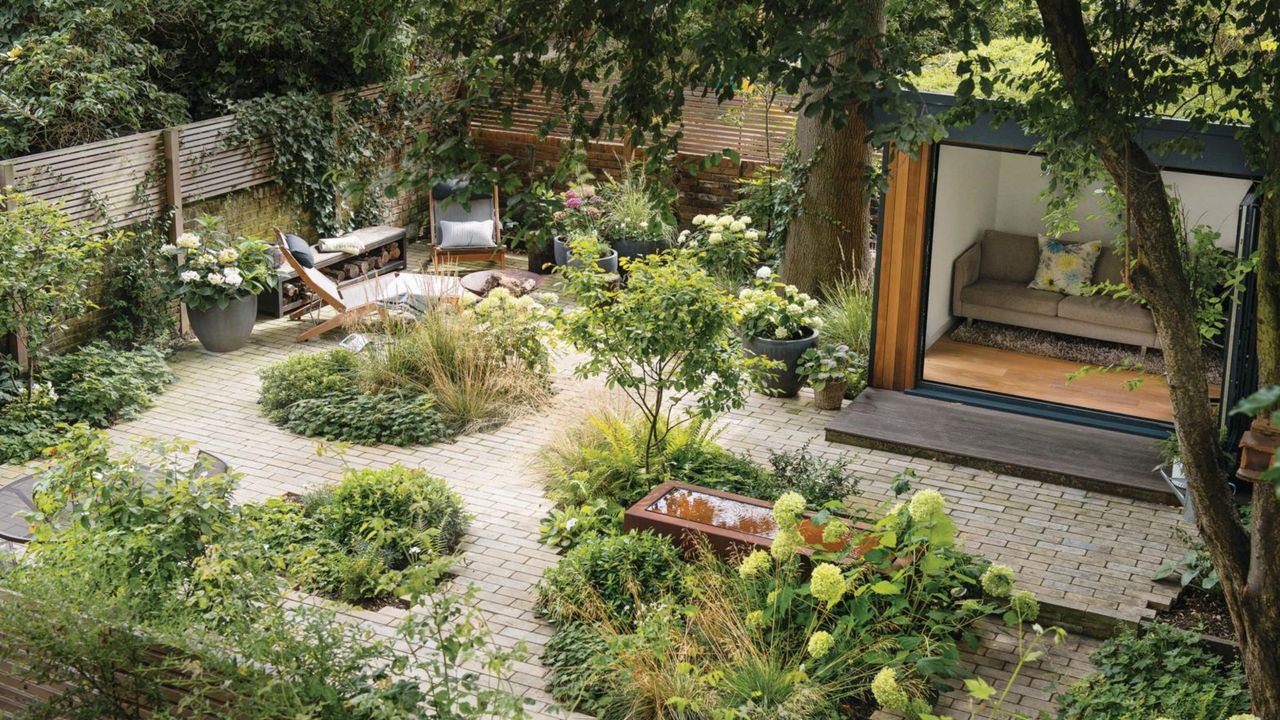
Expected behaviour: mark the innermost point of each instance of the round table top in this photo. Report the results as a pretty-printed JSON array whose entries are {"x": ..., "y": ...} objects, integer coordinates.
[{"x": 475, "y": 281}]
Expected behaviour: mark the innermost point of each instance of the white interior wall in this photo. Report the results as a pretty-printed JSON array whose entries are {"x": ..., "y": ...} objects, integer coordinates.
[
  {"x": 968, "y": 189},
  {"x": 1206, "y": 200},
  {"x": 981, "y": 189}
]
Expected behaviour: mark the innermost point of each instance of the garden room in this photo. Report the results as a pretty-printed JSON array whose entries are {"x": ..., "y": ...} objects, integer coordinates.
[{"x": 1030, "y": 315}]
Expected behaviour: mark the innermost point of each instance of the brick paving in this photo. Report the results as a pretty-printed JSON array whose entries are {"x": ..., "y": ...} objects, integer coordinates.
[{"x": 1091, "y": 550}]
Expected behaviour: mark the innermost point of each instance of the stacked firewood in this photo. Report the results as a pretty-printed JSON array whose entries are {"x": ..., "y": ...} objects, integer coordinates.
[{"x": 363, "y": 265}]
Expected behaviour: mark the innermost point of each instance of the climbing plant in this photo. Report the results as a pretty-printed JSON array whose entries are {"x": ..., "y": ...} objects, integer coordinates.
[{"x": 329, "y": 151}]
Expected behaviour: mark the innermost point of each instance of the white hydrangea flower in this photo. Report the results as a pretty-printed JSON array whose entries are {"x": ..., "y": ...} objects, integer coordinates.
[
  {"x": 737, "y": 226},
  {"x": 810, "y": 304},
  {"x": 699, "y": 219},
  {"x": 794, "y": 309},
  {"x": 188, "y": 240},
  {"x": 170, "y": 249},
  {"x": 214, "y": 278},
  {"x": 724, "y": 220},
  {"x": 745, "y": 219},
  {"x": 232, "y": 277},
  {"x": 752, "y": 235},
  {"x": 781, "y": 333},
  {"x": 765, "y": 272},
  {"x": 187, "y": 276},
  {"x": 715, "y": 237},
  {"x": 744, "y": 293},
  {"x": 228, "y": 255},
  {"x": 815, "y": 322}
]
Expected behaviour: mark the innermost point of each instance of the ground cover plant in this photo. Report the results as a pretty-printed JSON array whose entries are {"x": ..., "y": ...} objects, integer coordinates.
[
  {"x": 419, "y": 381},
  {"x": 642, "y": 634},
  {"x": 1161, "y": 672},
  {"x": 96, "y": 385},
  {"x": 368, "y": 537}
]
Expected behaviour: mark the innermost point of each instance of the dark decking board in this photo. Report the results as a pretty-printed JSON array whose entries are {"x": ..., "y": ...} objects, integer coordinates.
[{"x": 1002, "y": 442}]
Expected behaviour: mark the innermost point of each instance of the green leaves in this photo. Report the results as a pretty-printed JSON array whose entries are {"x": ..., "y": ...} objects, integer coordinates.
[{"x": 884, "y": 587}]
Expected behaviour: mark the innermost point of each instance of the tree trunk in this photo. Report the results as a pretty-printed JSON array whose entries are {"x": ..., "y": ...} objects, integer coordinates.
[
  {"x": 1250, "y": 578},
  {"x": 828, "y": 243}
]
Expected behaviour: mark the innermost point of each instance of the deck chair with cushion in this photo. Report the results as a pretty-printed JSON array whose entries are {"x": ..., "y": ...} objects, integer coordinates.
[
  {"x": 465, "y": 227},
  {"x": 373, "y": 294}
]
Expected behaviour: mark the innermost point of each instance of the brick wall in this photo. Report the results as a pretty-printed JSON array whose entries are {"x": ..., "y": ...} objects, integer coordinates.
[{"x": 705, "y": 192}]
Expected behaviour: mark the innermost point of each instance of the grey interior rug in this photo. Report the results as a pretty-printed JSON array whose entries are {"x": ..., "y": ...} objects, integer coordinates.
[{"x": 1069, "y": 347}]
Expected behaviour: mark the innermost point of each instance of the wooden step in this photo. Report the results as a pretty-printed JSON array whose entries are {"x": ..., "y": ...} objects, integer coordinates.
[{"x": 1008, "y": 443}]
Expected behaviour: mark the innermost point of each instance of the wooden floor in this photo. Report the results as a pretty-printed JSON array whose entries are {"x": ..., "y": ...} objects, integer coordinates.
[
  {"x": 1002, "y": 442},
  {"x": 1045, "y": 378}
]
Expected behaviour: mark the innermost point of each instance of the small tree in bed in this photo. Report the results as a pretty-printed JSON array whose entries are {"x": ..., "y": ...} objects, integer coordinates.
[
  {"x": 668, "y": 335},
  {"x": 48, "y": 263}
]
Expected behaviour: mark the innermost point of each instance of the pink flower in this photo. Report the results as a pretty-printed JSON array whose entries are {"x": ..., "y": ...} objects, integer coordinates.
[
  {"x": 570, "y": 194},
  {"x": 573, "y": 203}
]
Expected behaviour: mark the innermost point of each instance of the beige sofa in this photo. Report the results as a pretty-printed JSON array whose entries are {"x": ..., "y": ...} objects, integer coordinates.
[{"x": 989, "y": 282}]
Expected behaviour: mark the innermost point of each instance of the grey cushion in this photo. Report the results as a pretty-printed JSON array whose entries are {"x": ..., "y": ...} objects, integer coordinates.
[
  {"x": 1011, "y": 295},
  {"x": 1103, "y": 310},
  {"x": 300, "y": 250},
  {"x": 1009, "y": 257},
  {"x": 466, "y": 234},
  {"x": 1110, "y": 266}
]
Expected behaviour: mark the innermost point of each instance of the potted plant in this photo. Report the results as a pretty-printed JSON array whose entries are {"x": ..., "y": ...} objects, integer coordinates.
[
  {"x": 219, "y": 276},
  {"x": 780, "y": 323},
  {"x": 632, "y": 219},
  {"x": 582, "y": 248},
  {"x": 828, "y": 369},
  {"x": 580, "y": 216}
]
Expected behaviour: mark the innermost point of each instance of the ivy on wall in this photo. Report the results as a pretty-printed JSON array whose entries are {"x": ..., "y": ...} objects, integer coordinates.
[{"x": 329, "y": 151}]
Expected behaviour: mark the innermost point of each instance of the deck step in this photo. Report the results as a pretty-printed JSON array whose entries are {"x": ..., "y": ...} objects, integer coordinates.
[{"x": 1050, "y": 451}]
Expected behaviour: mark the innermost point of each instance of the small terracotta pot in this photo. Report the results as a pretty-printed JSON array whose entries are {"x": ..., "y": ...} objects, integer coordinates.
[
  {"x": 831, "y": 396},
  {"x": 1258, "y": 448}
]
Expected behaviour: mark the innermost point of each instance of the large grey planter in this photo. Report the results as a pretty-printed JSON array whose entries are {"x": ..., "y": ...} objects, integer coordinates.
[
  {"x": 560, "y": 250},
  {"x": 225, "y": 329},
  {"x": 631, "y": 249},
  {"x": 783, "y": 381}
]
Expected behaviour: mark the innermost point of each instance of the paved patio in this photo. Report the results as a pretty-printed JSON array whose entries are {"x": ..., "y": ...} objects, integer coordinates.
[{"x": 1093, "y": 551}]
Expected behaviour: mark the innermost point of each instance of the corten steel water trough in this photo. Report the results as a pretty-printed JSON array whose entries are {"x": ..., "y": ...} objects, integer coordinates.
[{"x": 731, "y": 525}]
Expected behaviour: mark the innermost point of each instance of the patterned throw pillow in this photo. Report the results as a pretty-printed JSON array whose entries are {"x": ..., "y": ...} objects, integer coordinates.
[{"x": 1065, "y": 267}]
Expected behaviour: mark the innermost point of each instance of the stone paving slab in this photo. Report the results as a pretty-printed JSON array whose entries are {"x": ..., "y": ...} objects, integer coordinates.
[{"x": 1094, "y": 550}]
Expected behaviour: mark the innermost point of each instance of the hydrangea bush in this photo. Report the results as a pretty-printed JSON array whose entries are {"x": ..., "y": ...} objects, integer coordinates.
[
  {"x": 212, "y": 267},
  {"x": 773, "y": 310},
  {"x": 726, "y": 246}
]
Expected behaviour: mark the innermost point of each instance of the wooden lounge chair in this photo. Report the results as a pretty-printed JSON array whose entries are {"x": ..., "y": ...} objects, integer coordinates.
[
  {"x": 360, "y": 298},
  {"x": 476, "y": 207}
]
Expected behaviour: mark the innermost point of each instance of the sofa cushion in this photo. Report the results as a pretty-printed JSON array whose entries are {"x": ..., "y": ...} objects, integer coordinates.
[
  {"x": 1011, "y": 295},
  {"x": 1108, "y": 311},
  {"x": 1110, "y": 266},
  {"x": 1065, "y": 267},
  {"x": 1008, "y": 257}
]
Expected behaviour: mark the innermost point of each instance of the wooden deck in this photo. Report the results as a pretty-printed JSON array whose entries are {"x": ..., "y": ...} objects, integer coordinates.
[{"x": 1007, "y": 443}]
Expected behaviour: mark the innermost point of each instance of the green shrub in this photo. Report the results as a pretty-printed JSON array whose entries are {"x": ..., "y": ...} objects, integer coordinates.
[
  {"x": 616, "y": 576},
  {"x": 819, "y": 480},
  {"x": 396, "y": 417},
  {"x": 1162, "y": 672},
  {"x": 305, "y": 377},
  {"x": 603, "y": 458},
  {"x": 567, "y": 528},
  {"x": 317, "y": 395},
  {"x": 98, "y": 384},
  {"x": 28, "y": 426},
  {"x": 577, "y": 657},
  {"x": 367, "y": 536}
]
